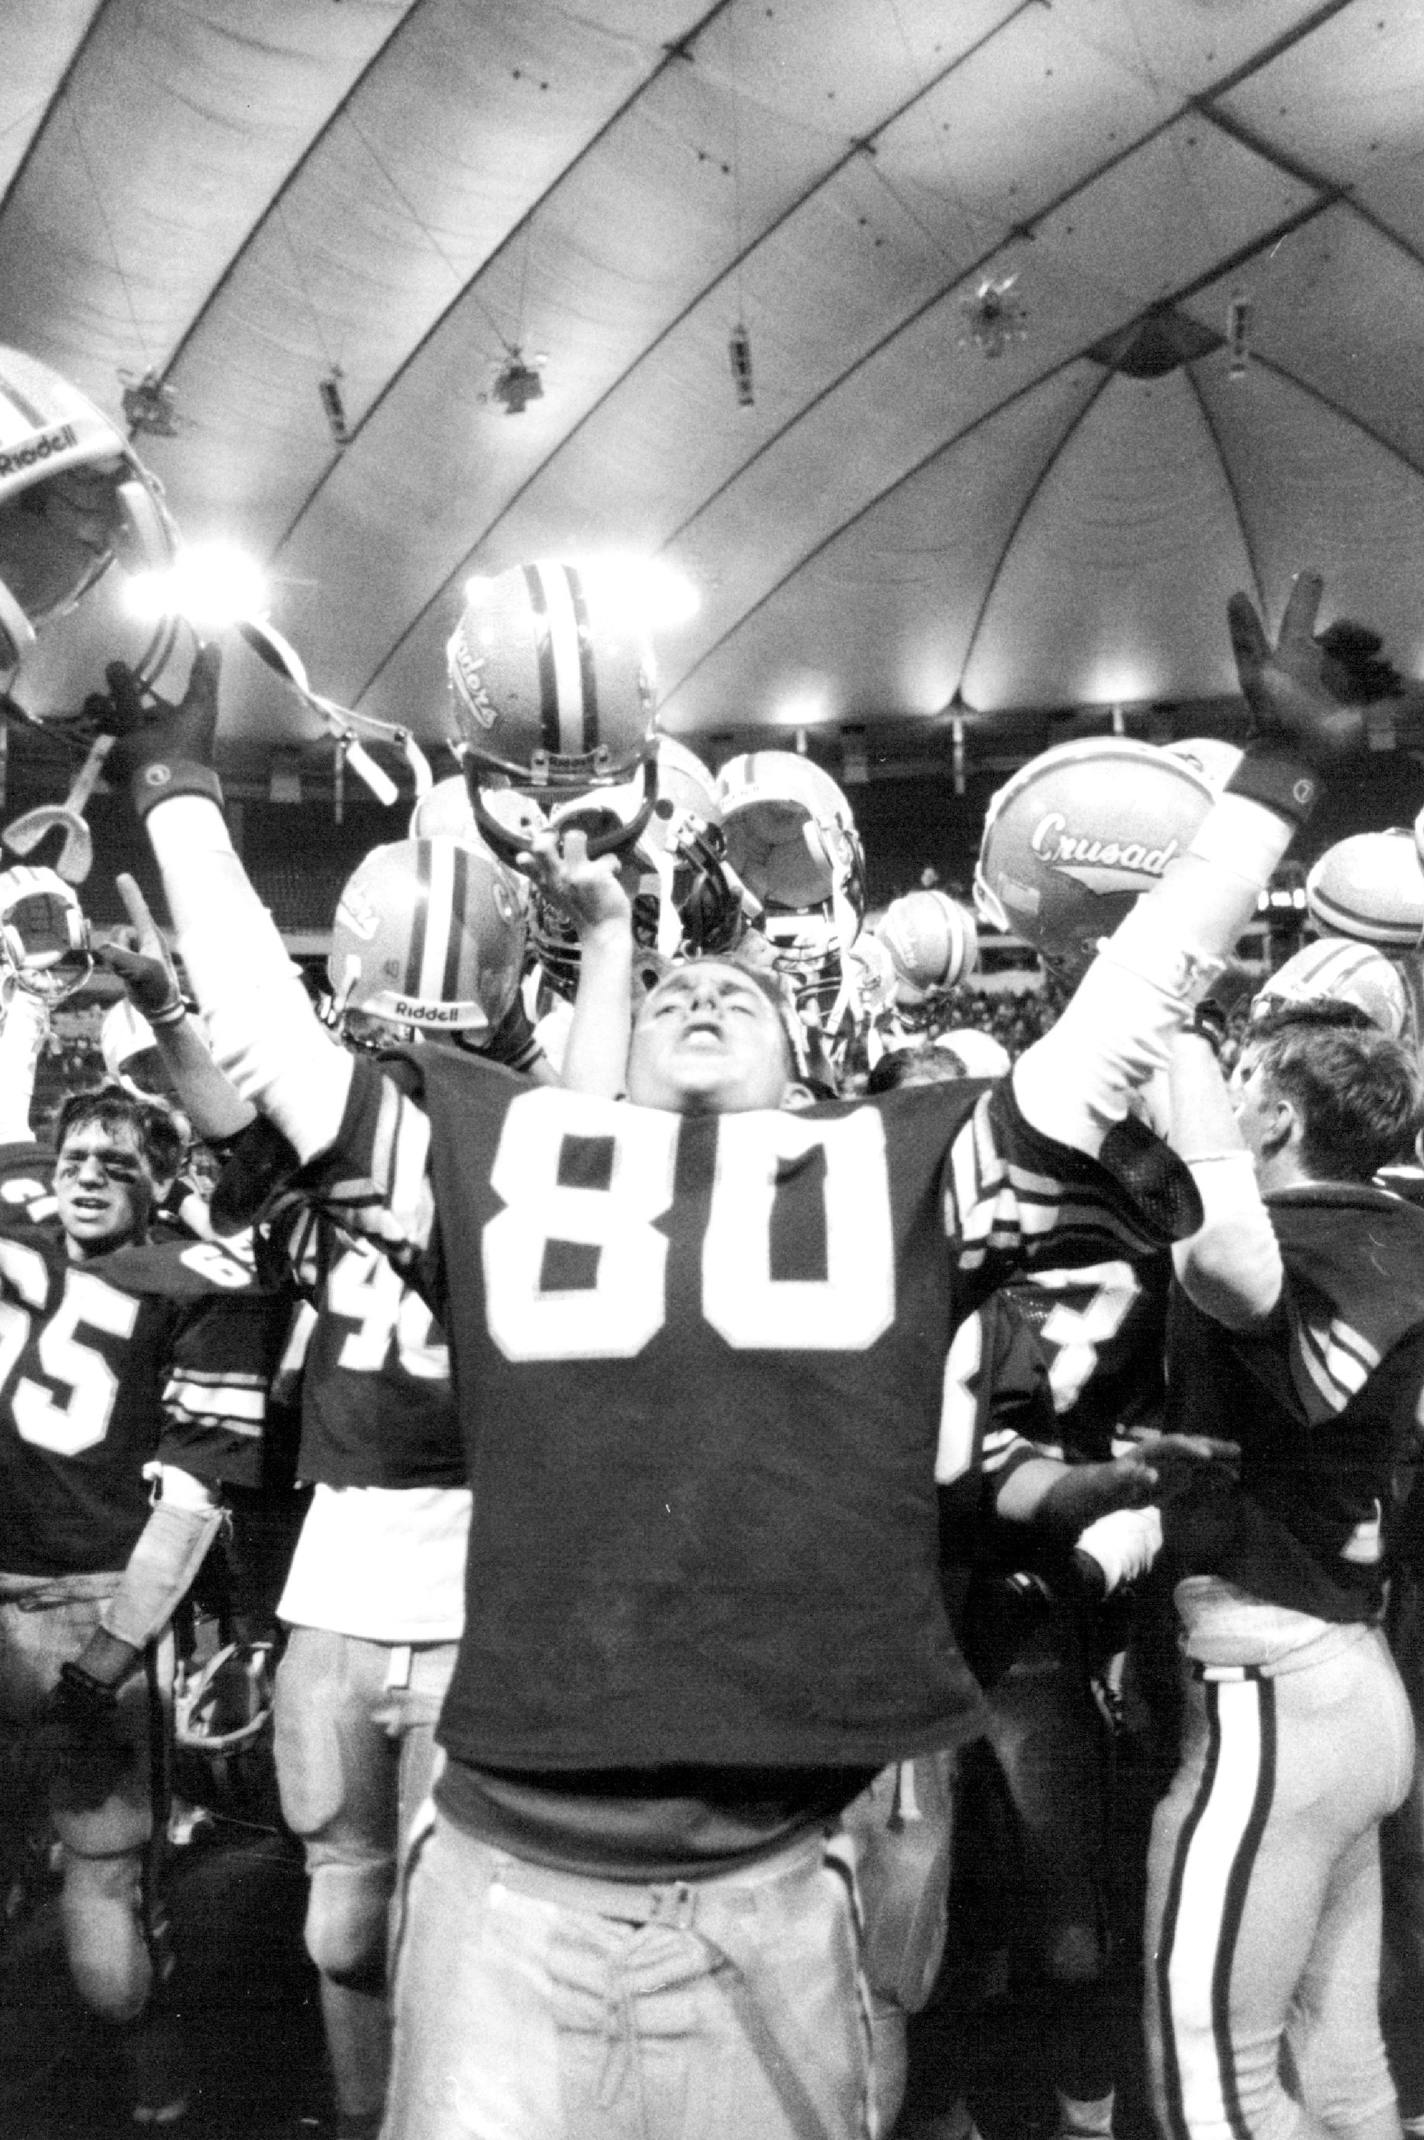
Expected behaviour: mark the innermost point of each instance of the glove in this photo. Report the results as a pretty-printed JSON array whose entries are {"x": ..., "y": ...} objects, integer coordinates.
[
  {"x": 140, "y": 958},
  {"x": 80, "y": 1741},
  {"x": 1296, "y": 691},
  {"x": 162, "y": 749}
]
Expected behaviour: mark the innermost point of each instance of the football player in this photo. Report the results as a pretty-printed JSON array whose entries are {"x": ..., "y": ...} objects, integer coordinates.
[
  {"x": 1300, "y": 1320},
  {"x": 698, "y": 1343},
  {"x": 429, "y": 935},
  {"x": 134, "y": 1380}
]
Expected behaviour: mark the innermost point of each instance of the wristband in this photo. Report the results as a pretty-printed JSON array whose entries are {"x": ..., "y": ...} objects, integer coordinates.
[
  {"x": 160, "y": 779},
  {"x": 95, "y": 1695},
  {"x": 1272, "y": 774}
]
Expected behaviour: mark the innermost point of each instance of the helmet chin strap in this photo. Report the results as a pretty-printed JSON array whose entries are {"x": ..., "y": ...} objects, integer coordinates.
[
  {"x": 509, "y": 845},
  {"x": 17, "y": 634}
]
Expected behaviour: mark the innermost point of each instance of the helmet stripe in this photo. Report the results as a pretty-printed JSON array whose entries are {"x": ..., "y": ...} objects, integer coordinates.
[
  {"x": 587, "y": 680},
  {"x": 561, "y": 592},
  {"x": 430, "y": 983},
  {"x": 415, "y": 957},
  {"x": 544, "y": 648},
  {"x": 34, "y": 417},
  {"x": 459, "y": 903}
]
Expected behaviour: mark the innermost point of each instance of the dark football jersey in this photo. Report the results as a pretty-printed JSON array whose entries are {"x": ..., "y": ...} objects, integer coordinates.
[
  {"x": 1104, "y": 1331},
  {"x": 699, "y": 1366},
  {"x": 1322, "y": 1399},
  {"x": 157, "y": 1352},
  {"x": 376, "y": 1408}
]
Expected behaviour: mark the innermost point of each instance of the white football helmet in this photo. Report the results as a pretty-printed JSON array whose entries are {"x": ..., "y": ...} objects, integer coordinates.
[
  {"x": 1370, "y": 887},
  {"x": 44, "y": 937},
  {"x": 790, "y": 832},
  {"x": 551, "y": 689},
  {"x": 428, "y": 935},
  {"x": 1340, "y": 970},
  {"x": 932, "y": 941},
  {"x": 1073, "y": 838},
  {"x": 1211, "y": 756},
  {"x": 75, "y": 500}
]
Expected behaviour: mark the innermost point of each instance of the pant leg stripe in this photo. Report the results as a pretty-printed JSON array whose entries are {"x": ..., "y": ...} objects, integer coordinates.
[
  {"x": 1171, "y": 2066},
  {"x": 1262, "y": 1696},
  {"x": 1210, "y": 1876}
]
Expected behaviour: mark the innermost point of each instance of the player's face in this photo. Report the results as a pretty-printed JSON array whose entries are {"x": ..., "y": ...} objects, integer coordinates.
[
  {"x": 707, "y": 1040},
  {"x": 104, "y": 1187}
]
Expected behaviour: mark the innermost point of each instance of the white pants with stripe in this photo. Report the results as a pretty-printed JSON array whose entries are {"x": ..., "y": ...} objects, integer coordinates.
[{"x": 1263, "y": 1908}]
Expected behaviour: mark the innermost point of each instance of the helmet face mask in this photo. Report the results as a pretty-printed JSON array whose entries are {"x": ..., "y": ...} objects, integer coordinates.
[
  {"x": 44, "y": 936},
  {"x": 429, "y": 935},
  {"x": 75, "y": 501}
]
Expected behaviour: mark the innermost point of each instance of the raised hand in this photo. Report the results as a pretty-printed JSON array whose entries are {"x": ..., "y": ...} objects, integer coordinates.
[
  {"x": 140, "y": 957},
  {"x": 163, "y": 749},
  {"x": 1295, "y": 687}
]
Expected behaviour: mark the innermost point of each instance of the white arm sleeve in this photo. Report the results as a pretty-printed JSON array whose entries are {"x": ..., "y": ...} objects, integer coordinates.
[
  {"x": 21, "y": 1036},
  {"x": 1232, "y": 1267},
  {"x": 1078, "y": 1081},
  {"x": 262, "y": 1029}
]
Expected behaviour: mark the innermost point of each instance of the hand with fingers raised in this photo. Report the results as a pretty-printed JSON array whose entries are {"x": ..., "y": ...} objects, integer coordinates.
[
  {"x": 140, "y": 957},
  {"x": 1300, "y": 722},
  {"x": 163, "y": 750}
]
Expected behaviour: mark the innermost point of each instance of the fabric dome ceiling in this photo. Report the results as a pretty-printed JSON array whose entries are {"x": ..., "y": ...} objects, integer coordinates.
[{"x": 237, "y": 196}]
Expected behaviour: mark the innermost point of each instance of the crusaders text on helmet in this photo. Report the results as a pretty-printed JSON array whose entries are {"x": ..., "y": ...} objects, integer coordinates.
[
  {"x": 549, "y": 689},
  {"x": 932, "y": 942},
  {"x": 44, "y": 937},
  {"x": 1337, "y": 969},
  {"x": 428, "y": 934},
  {"x": 74, "y": 500},
  {"x": 1077, "y": 833},
  {"x": 790, "y": 832},
  {"x": 1371, "y": 887}
]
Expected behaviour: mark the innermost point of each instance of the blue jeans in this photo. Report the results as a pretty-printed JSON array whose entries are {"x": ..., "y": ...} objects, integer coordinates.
[{"x": 532, "y": 2005}]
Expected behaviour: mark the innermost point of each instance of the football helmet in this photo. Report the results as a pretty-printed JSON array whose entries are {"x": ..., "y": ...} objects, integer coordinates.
[
  {"x": 428, "y": 934},
  {"x": 222, "y": 1725},
  {"x": 44, "y": 937},
  {"x": 1072, "y": 839},
  {"x": 551, "y": 688},
  {"x": 685, "y": 899},
  {"x": 932, "y": 941},
  {"x": 1211, "y": 756},
  {"x": 1343, "y": 971},
  {"x": 74, "y": 500},
  {"x": 130, "y": 1052},
  {"x": 1370, "y": 887},
  {"x": 790, "y": 832}
]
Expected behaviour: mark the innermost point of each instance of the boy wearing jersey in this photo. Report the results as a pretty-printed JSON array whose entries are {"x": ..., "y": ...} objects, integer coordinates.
[
  {"x": 124, "y": 1361},
  {"x": 697, "y": 1344},
  {"x": 1300, "y": 1323}
]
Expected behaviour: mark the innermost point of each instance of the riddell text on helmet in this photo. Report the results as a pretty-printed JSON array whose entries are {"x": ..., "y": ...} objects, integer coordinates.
[
  {"x": 41, "y": 449},
  {"x": 1054, "y": 843},
  {"x": 427, "y": 1013}
]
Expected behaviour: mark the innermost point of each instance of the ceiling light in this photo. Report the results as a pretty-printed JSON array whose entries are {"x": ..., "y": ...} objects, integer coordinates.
[
  {"x": 209, "y": 585},
  {"x": 150, "y": 405},
  {"x": 516, "y": 384}
]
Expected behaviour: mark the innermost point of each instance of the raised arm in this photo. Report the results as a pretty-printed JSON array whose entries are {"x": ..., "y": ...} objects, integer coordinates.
[
  {"x": 266, "y": 1038},
  {"x": 1080, "y": 1079}
]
